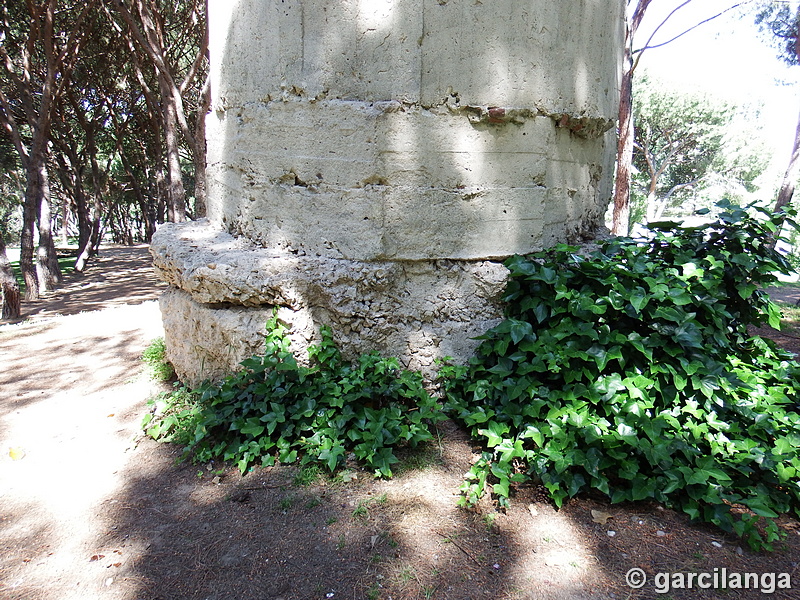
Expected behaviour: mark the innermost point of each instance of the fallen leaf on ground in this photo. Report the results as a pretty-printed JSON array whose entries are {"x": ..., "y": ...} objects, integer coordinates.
[{"x": 598, "y": 516}]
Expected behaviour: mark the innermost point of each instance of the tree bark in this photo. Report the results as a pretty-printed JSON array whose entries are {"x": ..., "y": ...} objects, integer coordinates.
[
  {"x": 790, "y": 177},
  {"x": 620, "y": 220},
  {"x": 33, "y": 201},
  {"x": 47, "y": 268},
  {"x": 622, "y": 183},
  {"x": 176, "y": 196},
  {"x": 9, "y": 288},
  {"x": 200, "y": 151}
]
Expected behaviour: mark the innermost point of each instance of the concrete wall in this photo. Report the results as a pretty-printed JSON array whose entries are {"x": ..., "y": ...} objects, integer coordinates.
[
  {"x": 412, "y": 129},
  {"x": 371, "y": 162}
]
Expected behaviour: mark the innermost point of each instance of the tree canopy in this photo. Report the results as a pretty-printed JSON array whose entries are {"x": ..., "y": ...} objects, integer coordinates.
[
  {"x": 686, "y": 142},
  {"x": 101, "y": 106},
  {"x": 781, "y": 22}
]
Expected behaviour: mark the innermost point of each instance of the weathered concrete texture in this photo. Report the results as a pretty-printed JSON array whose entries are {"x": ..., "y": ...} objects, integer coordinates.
[
  {"x": 352, "y": 180},
  {"x": 370, "y": 162},
  {"x": 224, "y": 290},
  {"x": 412, "y": 129},
  {"x": 551, "y": 56}
]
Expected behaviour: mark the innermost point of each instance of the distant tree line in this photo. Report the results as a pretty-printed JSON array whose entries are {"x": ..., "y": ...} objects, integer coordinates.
[
  {"x": 779, "y": 21},
  {"x": 101, "y": 125}
]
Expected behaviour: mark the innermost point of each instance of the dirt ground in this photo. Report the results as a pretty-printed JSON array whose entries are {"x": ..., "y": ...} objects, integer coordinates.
[{"x": 92, "y": 510}]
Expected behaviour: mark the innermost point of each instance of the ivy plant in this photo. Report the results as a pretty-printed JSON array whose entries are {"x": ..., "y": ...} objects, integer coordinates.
[
  {"x": 629, "y": 371},
  {"x": 276, "y": 409}
]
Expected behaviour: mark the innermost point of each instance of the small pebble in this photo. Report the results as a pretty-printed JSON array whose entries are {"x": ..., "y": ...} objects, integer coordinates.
[
  {"x": 716, "y": 544},
  {"x": 739, "y": 550},
  {"x": 496, "y": 566},
  {"x": 660, "y": 533},
  {"x": 611, "y": 533}
]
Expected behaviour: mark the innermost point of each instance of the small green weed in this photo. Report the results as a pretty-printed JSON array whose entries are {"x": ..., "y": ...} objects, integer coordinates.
[
  {"x": 154, "y": 356},
  {"x": 307, "y": 475},
  {"x": 361, "y": 510},
  {"x": 172, "y": 415},
  {"x": 286, "y": 502},
  {"x": 406, "y": 575}
]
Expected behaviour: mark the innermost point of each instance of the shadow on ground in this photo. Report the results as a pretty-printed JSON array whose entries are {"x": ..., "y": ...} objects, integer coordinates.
[
  {"x": 283, "y": 533},
  {"x": 119, "y": 275}
]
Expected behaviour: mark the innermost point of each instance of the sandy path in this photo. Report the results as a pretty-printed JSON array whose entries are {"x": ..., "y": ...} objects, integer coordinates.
[{"x": 73, "y": 392}]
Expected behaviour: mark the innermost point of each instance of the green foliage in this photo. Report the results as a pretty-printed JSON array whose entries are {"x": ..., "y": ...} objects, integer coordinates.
[
  {"x": 275, "y": 408},
  {"x": 629, "y": 371},
  {"x": 172, "y": 415},
  {"x": 154, "y": 356},
  {"x": 686, "y": 142},
  {"x": 780, "y": 21}
]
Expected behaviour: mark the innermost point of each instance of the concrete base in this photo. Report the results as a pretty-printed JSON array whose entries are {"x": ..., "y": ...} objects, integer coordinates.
[{"x": 224, "y": 289}]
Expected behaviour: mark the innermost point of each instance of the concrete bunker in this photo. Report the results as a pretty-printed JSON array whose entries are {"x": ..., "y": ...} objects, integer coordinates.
[{"x": 372, "y": 162}]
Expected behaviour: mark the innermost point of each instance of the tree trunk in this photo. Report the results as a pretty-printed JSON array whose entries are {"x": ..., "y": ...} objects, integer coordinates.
[
  {"x": 30, "y": 210},
  {"x": 200, "y": 152},
  {"x": 622, "y": 183},
  {"x": 790, "y": 177},
  {"x": 47, "y": 268},
  {"x": 176, "y": 195},
  {"x": 84, "y": 230},
  {"x": 64, "y": 220},
  {"x": 97, "y": 233},
  {"x": 200, "y": 149},
  {"x": 162, "y": 192},
  {"x": 9, "y": 289}
]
